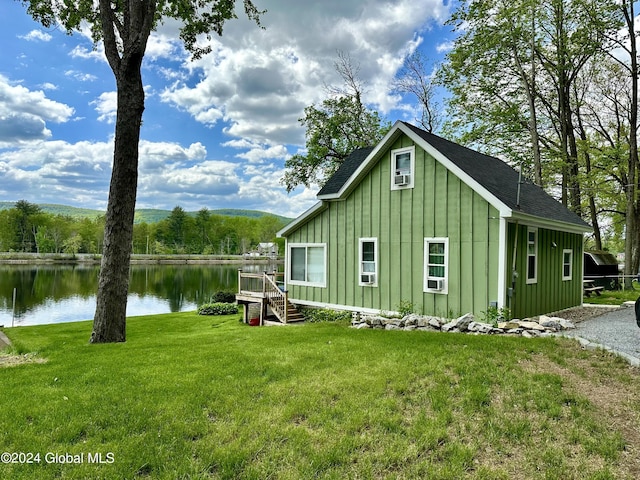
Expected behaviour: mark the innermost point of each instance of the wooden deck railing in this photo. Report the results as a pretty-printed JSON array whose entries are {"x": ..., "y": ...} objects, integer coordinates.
[
  {"x": 250, "y": 282},
  {"x": 265, "y": 286},
  {"x": 276, "y": 297}
]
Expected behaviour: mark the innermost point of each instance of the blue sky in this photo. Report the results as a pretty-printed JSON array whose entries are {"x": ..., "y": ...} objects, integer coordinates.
[{"x": 217, "y": 131}]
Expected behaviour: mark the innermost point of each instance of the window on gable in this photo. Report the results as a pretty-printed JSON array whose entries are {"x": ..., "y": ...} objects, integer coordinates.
[
  {"x": 307, "y": 264},
  {"x": 368, "y": 265},
  {"x": 402, "y": 168},
  {"x": 567, "y": 264},
  {"x": 532, "y": 255},
  {"x": 436, "y": 265}
]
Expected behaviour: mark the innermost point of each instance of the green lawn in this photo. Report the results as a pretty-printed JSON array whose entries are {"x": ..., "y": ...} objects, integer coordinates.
[
  {"x": 208, "y": 397},
  {"x": 614, "y": 297}
]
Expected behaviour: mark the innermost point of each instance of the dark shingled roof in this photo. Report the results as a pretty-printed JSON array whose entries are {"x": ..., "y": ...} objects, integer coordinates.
[
  {"x": 497, "y": 177},
  {"x": 501, "y": 180},
  {"x": 349, "y": 165}
]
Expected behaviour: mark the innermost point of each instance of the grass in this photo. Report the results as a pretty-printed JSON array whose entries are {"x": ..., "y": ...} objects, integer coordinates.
[
  {"x": 615, "y": 297},
  {"x": 193, "y": 397}
]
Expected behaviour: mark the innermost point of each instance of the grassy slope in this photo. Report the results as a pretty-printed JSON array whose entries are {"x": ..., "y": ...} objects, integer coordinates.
[{"x": 207, "y": 397}]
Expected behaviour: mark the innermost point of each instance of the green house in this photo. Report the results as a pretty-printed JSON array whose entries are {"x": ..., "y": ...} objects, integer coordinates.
[{"x": 420, "y": 219}]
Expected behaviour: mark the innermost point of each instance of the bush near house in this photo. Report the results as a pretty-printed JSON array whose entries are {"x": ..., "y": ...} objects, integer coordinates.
[
  {"x": 218, "y": 308},
  {"x": 315, "y": 315},
  {"x": 223, "y": 296}
]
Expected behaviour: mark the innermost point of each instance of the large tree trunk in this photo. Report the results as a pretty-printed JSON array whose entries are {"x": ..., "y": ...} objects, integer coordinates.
[
  {"x": 632, "y": 238},
  {"x": 109, "y": 323}
]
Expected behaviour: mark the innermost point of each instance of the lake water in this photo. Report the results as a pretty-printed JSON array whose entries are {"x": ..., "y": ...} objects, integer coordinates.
[{"x": 67, "y": 293}]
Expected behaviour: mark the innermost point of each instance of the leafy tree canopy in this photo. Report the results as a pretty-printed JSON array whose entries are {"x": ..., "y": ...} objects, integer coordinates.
[
  {"x": 336, "y": 127},
  {"x": 333, "y": 130},
  {"x": 198, "y": 17}
]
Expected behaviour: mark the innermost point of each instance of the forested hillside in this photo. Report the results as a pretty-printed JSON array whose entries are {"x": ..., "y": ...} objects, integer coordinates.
[
  {"x": 28, "y": 227},
  {"x": 148, "y": 215}
]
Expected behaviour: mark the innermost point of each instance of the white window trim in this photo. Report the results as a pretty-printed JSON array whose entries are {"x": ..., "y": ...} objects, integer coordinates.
[
  {"x": 375, "y": 260},
  {"x": 426, "y": 288},
  {"x": 300, "y": 282},
  {"x": 534, "y": 255},
  {"x": 411, "y": 150},
  {"x": 570, "y": 252}
]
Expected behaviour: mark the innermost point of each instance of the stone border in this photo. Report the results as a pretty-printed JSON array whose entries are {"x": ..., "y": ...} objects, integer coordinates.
[{"x": 544, "y": 326}]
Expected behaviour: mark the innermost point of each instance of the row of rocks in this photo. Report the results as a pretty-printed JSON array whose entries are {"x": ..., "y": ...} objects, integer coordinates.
[{"x": 541, "y": 327}]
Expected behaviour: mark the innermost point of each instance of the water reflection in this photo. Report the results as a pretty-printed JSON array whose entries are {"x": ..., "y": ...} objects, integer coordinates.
[{"x": 66, "y": 293}]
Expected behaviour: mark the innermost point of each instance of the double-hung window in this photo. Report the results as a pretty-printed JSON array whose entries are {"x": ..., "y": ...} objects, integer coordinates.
[
  {"x": 368, "y": 264},
  {"x": 402, "y": 168},
  {"x": 436, "y": 265},
  {"x": 567, "y": 264},
  {"x": 532, "y": 255},
  {"x": 307, "y": 264}
]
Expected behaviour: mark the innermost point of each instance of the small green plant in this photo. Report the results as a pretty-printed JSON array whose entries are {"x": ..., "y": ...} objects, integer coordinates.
[
  {"x": 405, "y": 307},
  {"x": 316, "y": 315},
  {"x": 218, "y": 308},
  {"x": 223, "y": 296},
  {"x": 493, "y": 315}
]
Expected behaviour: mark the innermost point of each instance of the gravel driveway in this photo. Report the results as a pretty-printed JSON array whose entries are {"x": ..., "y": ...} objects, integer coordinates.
[{"x": 616, "y": 331}]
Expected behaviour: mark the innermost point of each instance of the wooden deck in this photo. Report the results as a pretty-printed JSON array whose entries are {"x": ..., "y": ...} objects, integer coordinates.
[{"x": 263, "y": 289}]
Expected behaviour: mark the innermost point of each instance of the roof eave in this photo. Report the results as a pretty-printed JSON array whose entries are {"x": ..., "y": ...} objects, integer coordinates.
[
  {"x": 548, "y": 223},
  {"x": 390, "y": 137},
  {"x": 302, "y": 219}
]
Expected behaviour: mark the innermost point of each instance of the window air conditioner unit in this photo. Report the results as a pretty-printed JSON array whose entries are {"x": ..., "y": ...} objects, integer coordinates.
[
  {"x": 367, "y": 278},
  {"x": 401, "y": 180},
  {"x": 436, "y": 284}
]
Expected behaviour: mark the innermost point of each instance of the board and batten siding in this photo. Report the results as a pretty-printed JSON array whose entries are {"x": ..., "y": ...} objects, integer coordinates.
[
  {"x": 439, "y": 205},
  {"x": 550, "y": 293}
]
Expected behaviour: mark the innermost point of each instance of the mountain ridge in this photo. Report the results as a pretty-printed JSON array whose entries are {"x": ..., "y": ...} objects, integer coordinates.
[{"x": 142, "y": 215}]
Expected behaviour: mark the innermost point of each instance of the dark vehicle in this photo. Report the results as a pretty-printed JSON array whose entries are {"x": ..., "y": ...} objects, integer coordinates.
[{"x": 602, "y": 268}]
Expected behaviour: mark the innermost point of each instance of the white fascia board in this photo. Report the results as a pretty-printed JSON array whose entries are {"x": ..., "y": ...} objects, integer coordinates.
[
  {"x": 306, "y": 216},
  {"x": 388, "y": 138},
  {"x": 398, "y": 128},
  {"x": 504, "y": 210},
  {"x": 534, "y": 221},
  {"x": 503, "y": 270}
]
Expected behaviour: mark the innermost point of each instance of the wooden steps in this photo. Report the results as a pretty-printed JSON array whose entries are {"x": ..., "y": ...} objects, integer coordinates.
[
  {"x": 262, "y": 289},
  {"x": 293, "y": 315}
]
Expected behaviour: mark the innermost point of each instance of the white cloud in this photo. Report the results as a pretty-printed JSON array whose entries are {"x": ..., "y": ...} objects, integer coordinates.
[
  {"x": 258, "y": 154},
  {"x": 249, "y": 94},
  {"x": 259, "y": 81},
  {"x": 444, "y": 47},
  {"x": 24, "y": 113},
  {"x": 36, "y": 36},
  {"x": 106, "y": 105},
  {"x": 85, "y": 53},
  {"x": 81, "y": 76}
]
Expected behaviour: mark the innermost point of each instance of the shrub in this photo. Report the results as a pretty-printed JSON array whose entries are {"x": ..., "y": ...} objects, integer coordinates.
[
  {"x": 493, "y": 315},
  {"x": 218, "y": 308},
  {"x": 314, "y": 315},
  {"x": 405, "y": 307},
  {"x": 223, "y": 296}
]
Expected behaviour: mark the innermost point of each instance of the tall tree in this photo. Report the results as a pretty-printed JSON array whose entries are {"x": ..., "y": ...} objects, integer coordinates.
[
  {"x": 414, "y": 78},
  {"x": 124, "y": 27},
  {"x": 26, "y": 228},
  {"x": 202, "y": 220},
  {"x": 518, "y": 53},
  {"x": 491, "y": 73},
  {"x": 336, "y": 127},
  {"x": 621, "y": 46}
]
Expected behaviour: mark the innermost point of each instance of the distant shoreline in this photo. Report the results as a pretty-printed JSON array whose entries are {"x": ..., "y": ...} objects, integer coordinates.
[{"x": 136, "y": 259}]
